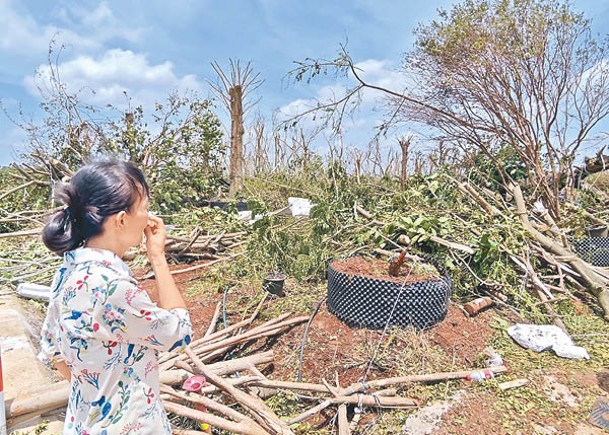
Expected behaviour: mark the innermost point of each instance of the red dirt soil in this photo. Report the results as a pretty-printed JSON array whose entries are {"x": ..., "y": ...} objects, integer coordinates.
[
  {"x": 334, "y": 348},
  {"x": 378, "y": 268},
  {"x": 330, "y": 342},
  {"x": 330, "y": 346}
]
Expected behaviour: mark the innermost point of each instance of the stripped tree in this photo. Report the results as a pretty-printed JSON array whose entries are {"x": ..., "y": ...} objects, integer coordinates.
[{"x": 234, "y": 89}]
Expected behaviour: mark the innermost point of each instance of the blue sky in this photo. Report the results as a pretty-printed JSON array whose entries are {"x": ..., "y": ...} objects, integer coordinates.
[{"x": 151, "y": 48}]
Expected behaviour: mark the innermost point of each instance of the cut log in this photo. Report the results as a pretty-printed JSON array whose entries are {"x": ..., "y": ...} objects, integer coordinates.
[
  {"x": 474, "y": 307},
  {"x": 41, "y": 401}
]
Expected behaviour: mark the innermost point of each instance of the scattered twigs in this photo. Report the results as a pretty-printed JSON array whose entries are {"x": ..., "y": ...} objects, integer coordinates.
[
  {"x": 256, "y": 407},
  {"x": 351, "y": 394},
  {"x": 543, "y": 291},
  {"x": 211, "y": 263},
  {"x": 341, "y": 415},
  {"x": 197, "y": 244},
  {"x": 24, "y": 233},
  {"x": 446, "y": 243},
  {"x": 432, "y": 377},
  {"x": 22, "y": 186},
  {"x": 214, "y": 320},
  {"x": 598, "y": 285},
  {"x": 242, "y": 423},
  {"x": 469, "y": 190},
  {"x": 218, "y": 339}
]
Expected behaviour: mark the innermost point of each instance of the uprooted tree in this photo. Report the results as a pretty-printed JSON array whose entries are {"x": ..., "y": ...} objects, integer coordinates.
[{"x": 526, "y": 78}]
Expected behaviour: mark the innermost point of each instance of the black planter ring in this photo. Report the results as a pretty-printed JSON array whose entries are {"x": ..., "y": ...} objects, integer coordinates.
[
  {"x": 368, "y": 302},
  {"x": 594, "y": 250}
]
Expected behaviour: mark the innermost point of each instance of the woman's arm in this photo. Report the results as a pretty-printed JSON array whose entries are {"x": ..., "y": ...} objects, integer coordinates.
[
  {"x": 169, "y": 295},
  {"x": 62, "y": 368}
]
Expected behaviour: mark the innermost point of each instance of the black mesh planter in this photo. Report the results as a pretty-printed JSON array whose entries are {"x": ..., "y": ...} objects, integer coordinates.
[
  {"x": 594, "y": 250},
  {"x": 368, "y": 302}
]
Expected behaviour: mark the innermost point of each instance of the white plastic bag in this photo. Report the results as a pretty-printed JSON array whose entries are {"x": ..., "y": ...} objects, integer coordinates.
[
  {"x": 545, "y": 337},
  {"x": 300, "y": 206}
]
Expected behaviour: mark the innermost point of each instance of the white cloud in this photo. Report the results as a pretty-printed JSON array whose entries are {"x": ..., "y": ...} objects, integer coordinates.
[
  {"x": 105, "y": 79},
  {"x": 380, "y": 73},
  {"x": 100, "y": 22},
  {"x": 82, "y": 29},
  {"x": 22, "y": 34},
  {"x": 99, "y": 16}
]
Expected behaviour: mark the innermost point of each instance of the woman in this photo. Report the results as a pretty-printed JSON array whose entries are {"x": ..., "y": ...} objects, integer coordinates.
[{"x": 102, "y": 331}]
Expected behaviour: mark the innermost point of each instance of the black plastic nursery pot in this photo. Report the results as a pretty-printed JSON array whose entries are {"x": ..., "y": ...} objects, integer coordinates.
[
  {"x": 274, "y": 284},
  {"x": 600, "y": 231},
  {"x": 374, "y": 303},
  {"x": 223, "y": 205}
]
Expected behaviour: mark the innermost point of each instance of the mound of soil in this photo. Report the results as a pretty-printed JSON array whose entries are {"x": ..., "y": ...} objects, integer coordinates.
[{"x": 377, "y": 268}]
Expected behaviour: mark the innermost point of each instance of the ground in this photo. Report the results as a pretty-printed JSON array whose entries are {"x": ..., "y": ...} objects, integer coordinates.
[{"x": 557, "y": 399}]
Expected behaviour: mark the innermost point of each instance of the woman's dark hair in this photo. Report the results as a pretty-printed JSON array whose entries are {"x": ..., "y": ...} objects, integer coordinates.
[{"x": 96, "y": 191}]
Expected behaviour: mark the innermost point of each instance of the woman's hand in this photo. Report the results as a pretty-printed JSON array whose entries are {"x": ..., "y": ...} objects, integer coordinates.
[
  {"x": 155, "y": 238},
  {"x": 169, "y": 294}
]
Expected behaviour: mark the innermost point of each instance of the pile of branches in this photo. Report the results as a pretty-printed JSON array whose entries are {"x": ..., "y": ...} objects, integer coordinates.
[
  {"x": 541, "y": 253},
  {"x": 211, "y": 248},
  {"x": 198, "y": 246}
]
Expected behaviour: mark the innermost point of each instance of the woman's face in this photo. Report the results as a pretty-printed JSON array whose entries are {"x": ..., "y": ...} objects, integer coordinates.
[{"x": 136, "y": 221}]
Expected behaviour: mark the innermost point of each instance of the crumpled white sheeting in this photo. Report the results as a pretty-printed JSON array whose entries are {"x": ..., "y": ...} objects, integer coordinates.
[{"x": 546, "y": 337}]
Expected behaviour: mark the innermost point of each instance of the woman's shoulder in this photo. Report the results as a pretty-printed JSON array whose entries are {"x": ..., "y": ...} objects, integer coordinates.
[{"x": 98, "y": 262}]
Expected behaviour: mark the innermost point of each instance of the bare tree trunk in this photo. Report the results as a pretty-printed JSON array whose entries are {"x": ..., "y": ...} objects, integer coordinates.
[
  {"x": 233, "y": 91},
  {"x": 236, "y": 140},
  {"x": 418, "y": 164},
  {"x": 261, "y": 151},
  {"x": 405, "y": 146}
]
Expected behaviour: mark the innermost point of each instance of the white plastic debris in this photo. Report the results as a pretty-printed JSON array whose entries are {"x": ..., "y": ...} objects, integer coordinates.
[
  {"x": 546, "y": 337},
  {"x": 571, "y": 352},
  {"x": 494, "y": 358},
  {"x": 245, "y": 215},
  {"x": 300, "y": 206},
  {"x": 34, "y": 291}
]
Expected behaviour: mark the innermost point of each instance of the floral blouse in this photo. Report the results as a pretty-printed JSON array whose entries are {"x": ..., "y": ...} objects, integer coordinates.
[{"x": 109, "y": 332}]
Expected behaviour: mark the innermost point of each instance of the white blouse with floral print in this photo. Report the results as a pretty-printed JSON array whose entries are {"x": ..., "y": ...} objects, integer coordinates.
[{"x": 109, "y": 332}]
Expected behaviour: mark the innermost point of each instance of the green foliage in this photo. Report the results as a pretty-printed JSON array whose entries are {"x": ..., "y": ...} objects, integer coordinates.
[
  {"x": 498, "y": 79},
  {"x": 518, "y": 28},
  {"x": 178, "y": 144},
  {"x": 299, "y": 247},
  {"x": 505, "y": 165},
  {"x": 420, "y": 228},
  {"x": 34, "y": 197},
  {"x": 182, "y": 153}
]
